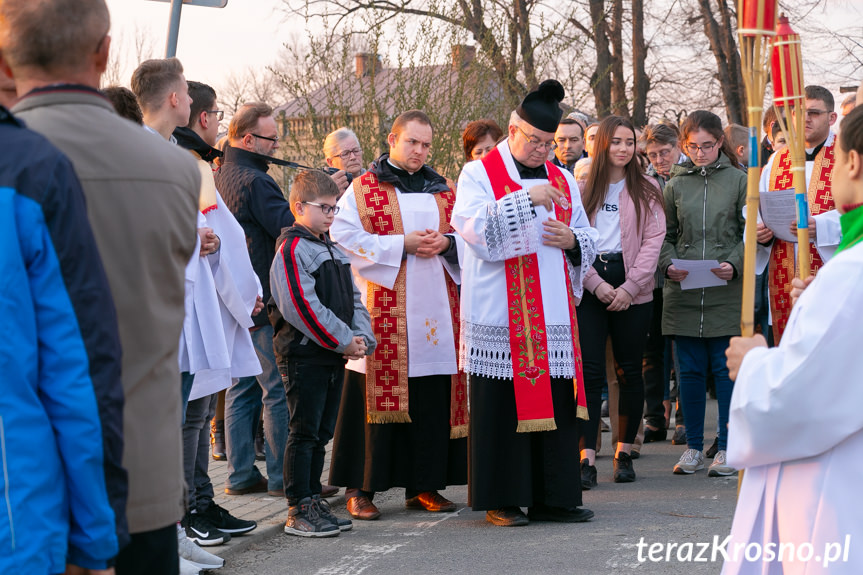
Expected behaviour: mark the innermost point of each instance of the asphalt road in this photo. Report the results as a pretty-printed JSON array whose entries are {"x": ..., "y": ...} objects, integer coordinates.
[{"x": 659, "y": 508}]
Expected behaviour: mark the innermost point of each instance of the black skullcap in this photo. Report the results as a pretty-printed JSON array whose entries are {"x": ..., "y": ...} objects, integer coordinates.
[{"x": 541, "y": 108}]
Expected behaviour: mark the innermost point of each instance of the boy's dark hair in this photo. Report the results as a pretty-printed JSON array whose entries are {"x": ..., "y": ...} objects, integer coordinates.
[
  {"x": 851, "y": 132},
  {"x": 310, "y": 185},
  {"x": 203, "y": 100},
  {"x": 125, "y": 103},
  {"x": 820, "y": 93}
]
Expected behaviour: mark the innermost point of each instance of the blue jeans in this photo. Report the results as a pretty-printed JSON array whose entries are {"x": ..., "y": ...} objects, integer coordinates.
[
  {"x": 313, "y": 393},
  {"x": 242, "y": 402},
  {"x": 697, "y": 355}
]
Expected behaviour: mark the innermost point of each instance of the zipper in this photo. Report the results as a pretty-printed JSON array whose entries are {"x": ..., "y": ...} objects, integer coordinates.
[
  {"x": 703, "y": 245},
  {"x": 6, "y": 482}
]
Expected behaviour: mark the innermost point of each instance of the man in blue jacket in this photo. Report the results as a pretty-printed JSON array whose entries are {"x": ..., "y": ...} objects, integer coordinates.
[{"x": 57, "y": 509}]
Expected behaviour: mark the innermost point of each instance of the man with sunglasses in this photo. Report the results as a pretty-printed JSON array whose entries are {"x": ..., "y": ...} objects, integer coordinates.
[
  {"x": 259, "y": 206},
  {"x": 778, "y": 256}
]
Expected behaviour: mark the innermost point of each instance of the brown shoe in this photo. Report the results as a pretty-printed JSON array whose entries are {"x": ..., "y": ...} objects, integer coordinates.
[
  {"x": 362, "y": 508},
  {"x": 259, "y": 487},
  {"x": 430, "y": 501},
  {"x": 328, "y": 490}
]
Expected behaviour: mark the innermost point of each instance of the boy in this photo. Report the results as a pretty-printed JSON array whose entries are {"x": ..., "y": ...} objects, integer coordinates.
[{"x": 320, "y": 322}]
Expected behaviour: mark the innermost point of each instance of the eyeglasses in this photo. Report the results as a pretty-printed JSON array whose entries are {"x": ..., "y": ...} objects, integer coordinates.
[
  {"x": 348, "y": 153},
  {"x": 661, "y": 154},
  {"x": 703, "y": 148},
  {"x": 535, "y": 143},
  {"x": 273, "y": 140},
  {"x": 815, "y": 113},
  {"x": 220, "y": 114},
  {"x": 327, "y": 209}
]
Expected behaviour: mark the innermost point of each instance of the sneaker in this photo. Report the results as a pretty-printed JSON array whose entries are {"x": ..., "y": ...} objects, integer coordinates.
[
  {"x": 711, "y": 451},
  {"x": 623, "y": 471},
  {"x": 304, "y": 520},
  {"x": 691, "y": 461},
  {"x": 326, "y": 512},
  {"x": 679, "y": 435},
  {"x": 224, "y": 521},
  {"x": 200, "y": 530},
  {"x": 719, "y": 468},
  {"x": 188, "y": 568},
  {"x": 193, "y": 554},
  {"x": 588, "y": 475}
]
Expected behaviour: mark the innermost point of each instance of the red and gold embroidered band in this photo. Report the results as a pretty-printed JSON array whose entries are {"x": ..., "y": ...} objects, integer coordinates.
[
  {"x": 387, "y": 369},
  {"x": 527, "y": 326},
  {"x": 782, "y": 267}
]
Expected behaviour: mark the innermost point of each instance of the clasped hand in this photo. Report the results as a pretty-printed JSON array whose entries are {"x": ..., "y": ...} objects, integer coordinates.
[
  {"x": 426, "y": 244},
  {"x": 356, "y": 349}
]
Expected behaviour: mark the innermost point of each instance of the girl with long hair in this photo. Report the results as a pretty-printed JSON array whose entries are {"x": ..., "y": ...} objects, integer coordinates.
[
  {"x": 626, "y": 208},
  {"x": 704, "y": 202}
]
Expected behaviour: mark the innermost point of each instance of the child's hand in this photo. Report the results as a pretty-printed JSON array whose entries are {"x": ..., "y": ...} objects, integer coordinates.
[{"x": 356, "y": 349}]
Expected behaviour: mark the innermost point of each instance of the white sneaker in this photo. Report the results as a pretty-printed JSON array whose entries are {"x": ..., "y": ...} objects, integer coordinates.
[
  {"x": 194, "y": 555},
  {"x": 188, "y": 568},
  {"x": 719, "y": 467},
  {"x": 691, "y": 461}
]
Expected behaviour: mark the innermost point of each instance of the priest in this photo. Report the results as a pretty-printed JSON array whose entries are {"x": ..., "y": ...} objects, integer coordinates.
[{"x": 529, "y": 247}]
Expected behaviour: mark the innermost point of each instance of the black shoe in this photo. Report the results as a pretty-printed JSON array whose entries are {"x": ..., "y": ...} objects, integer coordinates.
[
  {"x": 623, "y": 471},
  {"x": 651, "y": 435},
  {"x": 588, "y": 475},
  {"x": 260, "y": 453},
  {"x": 224, "y": 521},
  {"x": 327, "y": 513},
  {"x": 305, "y": 520},
  {"x": 679, "y": 436},
  {"x": 634, "y": 453},
  {"x": 559, "y": 514},
  {"x": 217, "y": 439},
  {"x": 603, "y": 411},
  {"x": 507, "y": 517},
  {"x": 200, "y": 530},
  {"x": 711, "y": 451}
]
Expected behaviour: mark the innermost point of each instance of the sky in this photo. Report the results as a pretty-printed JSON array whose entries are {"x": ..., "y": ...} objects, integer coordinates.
[{"x": 215, "y": 43}]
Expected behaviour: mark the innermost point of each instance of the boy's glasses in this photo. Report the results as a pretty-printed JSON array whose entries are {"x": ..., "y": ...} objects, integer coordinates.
[{"x": 327, "y": 209}]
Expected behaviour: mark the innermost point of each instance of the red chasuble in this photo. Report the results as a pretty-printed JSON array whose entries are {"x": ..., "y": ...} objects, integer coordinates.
[
  {"x": 387, "y": 368},
  {"x": 782, "y": 268},
  {"x": 528, "y": 342}
]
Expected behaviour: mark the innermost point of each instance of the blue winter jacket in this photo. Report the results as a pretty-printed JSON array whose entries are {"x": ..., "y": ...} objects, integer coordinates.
[{"x": 54, "y": 506}]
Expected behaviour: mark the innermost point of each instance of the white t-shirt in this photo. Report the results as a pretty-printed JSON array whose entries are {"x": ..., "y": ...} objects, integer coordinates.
[{"x": 608, "y": 220}]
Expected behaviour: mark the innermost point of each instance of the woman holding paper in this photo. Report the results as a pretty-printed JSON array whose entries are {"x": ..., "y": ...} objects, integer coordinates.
[
  {"x": 626, "y": 209},
  {"x": 704, "y": 202}
]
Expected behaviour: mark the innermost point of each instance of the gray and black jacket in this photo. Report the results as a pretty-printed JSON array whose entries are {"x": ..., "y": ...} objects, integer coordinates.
[{"x": 315, "y": 308}]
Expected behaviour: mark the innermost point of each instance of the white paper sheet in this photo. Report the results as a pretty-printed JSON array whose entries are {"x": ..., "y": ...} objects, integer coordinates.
[
  {"x": 779, "y": 211},
  {"x": 700, "y": 275}
]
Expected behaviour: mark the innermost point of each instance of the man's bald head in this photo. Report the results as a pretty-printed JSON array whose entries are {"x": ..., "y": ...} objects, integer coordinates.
[{"x": 52, "y": 37}]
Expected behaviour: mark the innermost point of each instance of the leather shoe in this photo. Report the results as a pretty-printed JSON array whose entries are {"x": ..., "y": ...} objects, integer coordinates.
[
  {"x": 259, "y": 487},
  {"x": 430, "y": 501},
  {"x": 328, "y": 490},
  {"x": 559, "y": 514},
  {"x": 588, "y": 475},
  {"x": 362, "y": 508},
  {"x": 507, "y": 517},
  {"x": 651, "y": 435}
]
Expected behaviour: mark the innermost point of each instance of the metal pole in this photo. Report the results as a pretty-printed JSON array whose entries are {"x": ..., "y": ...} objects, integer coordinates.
[{"x": 173, "y": 28}]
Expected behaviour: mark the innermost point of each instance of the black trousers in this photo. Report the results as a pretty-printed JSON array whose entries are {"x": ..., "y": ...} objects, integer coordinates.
[
  {"x": 628, "y": 332},
  {"x": 150, "y": 553},
  {"x": 654, "y": 369}
]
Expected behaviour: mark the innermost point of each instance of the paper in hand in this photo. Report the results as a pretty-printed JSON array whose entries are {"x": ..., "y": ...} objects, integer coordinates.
[
  {"x": 779, "y": 211},
  {"x": 700, "y": 275}
]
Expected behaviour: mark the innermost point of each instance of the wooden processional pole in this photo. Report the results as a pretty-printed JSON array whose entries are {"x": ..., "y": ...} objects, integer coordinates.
[{"x": 757, "y": 25}]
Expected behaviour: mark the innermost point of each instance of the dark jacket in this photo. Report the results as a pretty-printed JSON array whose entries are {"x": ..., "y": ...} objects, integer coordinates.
[
  {"x": 61, "y": 399},
  {"x": 259, "y": 206},
  {"x": 433, "y": 182},
  {"x": 316, "y": 310},
  {"x": 190, "y": 140},
  {"x": 704, "y": 221}
]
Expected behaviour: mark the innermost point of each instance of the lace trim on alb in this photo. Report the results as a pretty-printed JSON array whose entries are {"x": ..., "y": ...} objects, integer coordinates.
[
  {"x": 509, "y": 228},
  {"x": 588, "y": 254},
  {"x": 484, "y": 350}
]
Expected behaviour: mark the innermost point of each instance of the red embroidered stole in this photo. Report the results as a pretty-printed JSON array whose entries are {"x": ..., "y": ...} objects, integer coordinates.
[
  {"x": 527, "y": 325},
  {"x": 782, "y": 268},
  {"x": 387, "y": 369}
]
